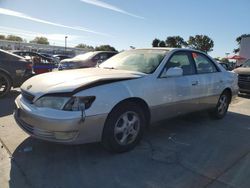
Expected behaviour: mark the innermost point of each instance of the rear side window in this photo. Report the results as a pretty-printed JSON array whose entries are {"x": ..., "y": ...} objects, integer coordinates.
[
  {"x": 203, "y": 64},
  {"x": 181, "y": 60}
]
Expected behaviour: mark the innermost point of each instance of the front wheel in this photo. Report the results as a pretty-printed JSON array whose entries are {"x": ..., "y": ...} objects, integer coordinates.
[
  {"x": 124, "y": 128},
  {"x": 222, "y": 106}
]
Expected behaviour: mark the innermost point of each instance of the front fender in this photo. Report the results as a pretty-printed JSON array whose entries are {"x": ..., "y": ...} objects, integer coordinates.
[{"x": 107, "y": 96}]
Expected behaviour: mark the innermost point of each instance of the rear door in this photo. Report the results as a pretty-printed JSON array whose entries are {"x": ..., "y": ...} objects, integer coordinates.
[{"x": 210, "y": 80}]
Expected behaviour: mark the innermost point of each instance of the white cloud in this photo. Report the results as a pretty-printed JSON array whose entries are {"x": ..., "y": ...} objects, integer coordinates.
[
  {"x": 52, "y": 37},
  {"x": 110, "y": 7},
  {"x": 27, "y": 17}
]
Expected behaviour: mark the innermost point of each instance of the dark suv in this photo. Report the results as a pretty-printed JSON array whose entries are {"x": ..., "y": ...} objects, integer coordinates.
[
  {"x": 89, "y": 59},
  {"x": 14, "y": 70}
]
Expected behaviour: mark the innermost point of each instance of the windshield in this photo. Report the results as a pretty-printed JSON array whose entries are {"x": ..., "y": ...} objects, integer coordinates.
[
  {"x": 145, "y": 61},
  {"x": 246, "y": 64},
  {"x": 85, "y": 56}
]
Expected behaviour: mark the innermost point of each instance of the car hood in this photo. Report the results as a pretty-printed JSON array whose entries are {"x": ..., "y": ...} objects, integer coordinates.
[
  {"x": 243, "y": 70},
  {"x": 72, "y": 80}
]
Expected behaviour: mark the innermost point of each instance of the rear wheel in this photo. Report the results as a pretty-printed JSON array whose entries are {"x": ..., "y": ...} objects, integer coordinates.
[
  {"x": 222, "y": 106},
  {"x": 5, "y": 84},
  {"x": 124, "y": 128}
]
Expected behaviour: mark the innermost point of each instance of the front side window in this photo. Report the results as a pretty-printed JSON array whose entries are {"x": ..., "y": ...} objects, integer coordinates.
[
  {"x": 181, "y": 60},
  {"x": 145, "y": 61},
  {"x": 203, "y": 64}
]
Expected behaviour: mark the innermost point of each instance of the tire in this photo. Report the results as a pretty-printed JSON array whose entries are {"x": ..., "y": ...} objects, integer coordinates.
[
  {"x": 124, "y": 128},
  {"x": 5, "y": 84},
  {"x": 222, "y": 106}
]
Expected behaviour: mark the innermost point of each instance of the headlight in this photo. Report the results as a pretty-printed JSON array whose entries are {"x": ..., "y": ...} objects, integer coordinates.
[
  {"x": 79, "y": 103},
  {"x": 65, "y": 103},
  {"x": 52, "y": 102}
]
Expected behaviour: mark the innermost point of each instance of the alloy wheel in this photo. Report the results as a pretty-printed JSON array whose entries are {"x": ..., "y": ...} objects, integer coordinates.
[
  {"x": 222, "y": 104},
  {"x": 127, "y": 128}
]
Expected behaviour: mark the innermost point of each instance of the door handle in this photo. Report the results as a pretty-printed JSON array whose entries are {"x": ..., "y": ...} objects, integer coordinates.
[{"x": 194, "y": 83}]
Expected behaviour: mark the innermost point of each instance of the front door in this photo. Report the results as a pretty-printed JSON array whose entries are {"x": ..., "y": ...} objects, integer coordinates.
[{"x": 175, "y": 95}]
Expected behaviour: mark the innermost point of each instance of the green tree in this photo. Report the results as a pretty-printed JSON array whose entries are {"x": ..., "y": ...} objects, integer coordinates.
[
  {"x": 201, "y": 42},
  {"x": 238, "y": 40},
  {"x": 14, "y": 38},
  {"x": 162, "y": 44},
  {"x": 2, "y": 37},
  {"x": 40, "y": 40},
  {"x": 105, "y": 48},
  {"x": 175, "y": 42},
  {"x": 84, "y": 46},
  {"x": 156, "y": 42},
  {"x": 224, "y": 60}
]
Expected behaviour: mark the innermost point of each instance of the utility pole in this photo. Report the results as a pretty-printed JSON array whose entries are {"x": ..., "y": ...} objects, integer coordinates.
[{"x": 66, "y": 43}]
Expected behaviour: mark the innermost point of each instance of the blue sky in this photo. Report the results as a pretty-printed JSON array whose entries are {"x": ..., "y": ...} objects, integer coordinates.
[{"x": 124, "y": 23}]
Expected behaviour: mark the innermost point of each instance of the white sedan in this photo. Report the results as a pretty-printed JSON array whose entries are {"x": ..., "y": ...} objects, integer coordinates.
[{"x": 113, "y": 103}]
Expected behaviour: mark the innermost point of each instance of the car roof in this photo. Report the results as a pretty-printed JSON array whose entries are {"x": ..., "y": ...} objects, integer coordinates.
[
  {"x": 157, "y": 48},
  {"x": 169, "y": 49}
]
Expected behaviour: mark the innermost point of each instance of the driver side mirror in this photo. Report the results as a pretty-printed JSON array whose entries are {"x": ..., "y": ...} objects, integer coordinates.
[{"x": 172, "y": 72}]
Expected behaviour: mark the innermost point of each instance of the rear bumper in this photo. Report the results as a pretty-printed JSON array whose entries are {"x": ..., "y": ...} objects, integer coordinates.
[{"x": 57, "y": 125}]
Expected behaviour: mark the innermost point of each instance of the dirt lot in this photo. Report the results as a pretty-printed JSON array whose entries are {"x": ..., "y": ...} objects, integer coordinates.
[{"x": 191, "y": 151}]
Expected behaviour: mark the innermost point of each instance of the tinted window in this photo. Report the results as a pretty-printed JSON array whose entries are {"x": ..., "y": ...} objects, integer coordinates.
[
  {"x": 96, "y": 57},
  {"x": 111, "y": 54},
  {"x": 203, "y": 64},
  {"x": 181, "y": 60},
  {"x": 103, "y": 56}
]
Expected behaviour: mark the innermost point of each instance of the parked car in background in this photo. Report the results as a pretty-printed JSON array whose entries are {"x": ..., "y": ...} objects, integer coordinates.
[
  {"x": 41, "y": 63},
  {"x": 113, "y": 103},
  {"x": 14, "y": 70},
  {"x": 89, "y": 59},
  {"x": 244, "y": 77}
]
